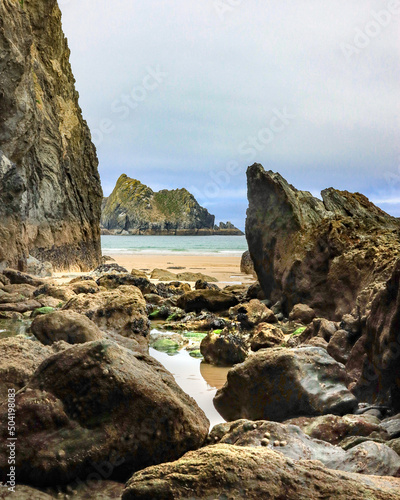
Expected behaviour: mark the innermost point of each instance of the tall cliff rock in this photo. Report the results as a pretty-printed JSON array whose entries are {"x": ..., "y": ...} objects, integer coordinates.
[
  {"x": 332, "y": 254},
  {"x": 137, "y": 209},
  {"x": 50, "y": 193}
]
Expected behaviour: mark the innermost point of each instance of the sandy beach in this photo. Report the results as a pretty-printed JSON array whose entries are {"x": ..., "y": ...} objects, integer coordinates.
[{"x": 226, "y": 269}]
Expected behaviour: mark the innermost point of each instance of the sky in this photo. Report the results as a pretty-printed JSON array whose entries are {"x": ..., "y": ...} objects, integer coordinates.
[{"x": 188, "y": 93}]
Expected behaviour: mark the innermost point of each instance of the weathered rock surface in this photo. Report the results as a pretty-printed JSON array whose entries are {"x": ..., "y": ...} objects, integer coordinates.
[
  {"x": 302, "y": 313},
  {"x": 19, "y": 358},
  {"x": 334, "y": 429},
  {"x": 233, "y": 472},
  {"x": 98, "y": 405},
  {"x": 252, "y": 313},
  {"x": 278, "y": 384},
  {"x": 325, "y": 254},
  {"x": 70, "y": 326},
  {"x": 121, "y": 310},
  {"x": 380, "y": 378},
  {"x": 265, "y": 336},
  {"x": 212, "y": 300},
  {"x": 367, "y": 458},
  {"x": 50, "y": 193}
]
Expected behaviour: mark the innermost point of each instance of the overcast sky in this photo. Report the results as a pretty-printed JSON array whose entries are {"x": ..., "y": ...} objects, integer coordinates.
[{"x": 188, "y": 93}]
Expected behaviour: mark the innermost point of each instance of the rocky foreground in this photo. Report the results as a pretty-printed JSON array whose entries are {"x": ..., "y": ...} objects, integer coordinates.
[{"x": 97, "y": 417}]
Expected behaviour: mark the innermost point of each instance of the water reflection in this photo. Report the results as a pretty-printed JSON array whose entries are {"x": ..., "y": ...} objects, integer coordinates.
[
  {"x": 197, "y": 378},
  {"x": 11, "y": 328}
]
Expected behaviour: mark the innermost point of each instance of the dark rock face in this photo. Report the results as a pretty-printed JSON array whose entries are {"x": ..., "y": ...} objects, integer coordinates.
[
  {"x": 321, "y": 253},
  {"x": 99, "y": 406},
  {"x": 380, "y": 378},
  {"x": 278, "y": 384},
  {"x": 232, "y": 472},
  {"x": 50, "y": 191}
]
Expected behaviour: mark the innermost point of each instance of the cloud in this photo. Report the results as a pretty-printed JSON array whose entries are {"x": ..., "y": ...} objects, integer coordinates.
[{"x": 226, "y": 73}]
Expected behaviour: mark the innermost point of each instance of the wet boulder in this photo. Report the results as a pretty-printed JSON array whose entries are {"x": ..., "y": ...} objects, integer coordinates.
[
  {"x": 279, "y": 383},
  {"x": 98, "y": 405}
]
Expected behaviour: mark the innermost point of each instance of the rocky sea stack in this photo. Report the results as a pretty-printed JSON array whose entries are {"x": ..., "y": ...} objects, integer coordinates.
[
  {"x": 134, "y": 208},
  {"x": 331, "y": 254},
  {"x": 50, "y": 193}
]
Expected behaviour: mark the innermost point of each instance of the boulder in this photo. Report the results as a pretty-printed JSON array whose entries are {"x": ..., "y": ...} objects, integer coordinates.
[
  {"x": 109, "y": 268},
  {"x": 163, "y": 275},
  {"x": 224, "y": 348},
  {"x": 138, "y": 274},
  {"x": 392, "y": 426},
  {"x": 290, "y": 440},
  {"x": 84, "y": 286},
  {"x": 323, "y": 253},
  {"x": 99, "y": 406},
  {"x": 19, "y": 358},
  {"x": 122, "y": 310},
  {"x": 61, "y": 292},
  {"x": 19, "y": 278},
  {"x": 232, "y": 472},
  {"x": 211, "y": 300},
  {"x": 246, "y": 264},
  {"x": 188, "y": 276},
  {"x": 252, "y": 313},
  {"x": 21, "y": 307},
  {"x": 302, "y": 313},
  {"x": 334, "y": 429},
  {"x": 340, "y": 346},
  {"x": 202, "y": 284},
  {"x": 70, "y": 326},
  {"x": 279, "y": 383},
  {"x": 265, "y": 336}
]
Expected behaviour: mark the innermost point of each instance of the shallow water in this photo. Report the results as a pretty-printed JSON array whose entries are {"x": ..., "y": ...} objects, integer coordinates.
[
  {"x": 197, "y": 378},
  {"x": 11, "y": 328}
]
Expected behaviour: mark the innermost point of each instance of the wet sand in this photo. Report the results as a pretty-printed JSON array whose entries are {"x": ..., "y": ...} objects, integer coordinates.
[{"x": 226, "y": 269}]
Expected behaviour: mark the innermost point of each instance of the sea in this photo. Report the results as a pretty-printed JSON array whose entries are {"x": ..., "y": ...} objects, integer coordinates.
[{"x": 182, "y": 245}]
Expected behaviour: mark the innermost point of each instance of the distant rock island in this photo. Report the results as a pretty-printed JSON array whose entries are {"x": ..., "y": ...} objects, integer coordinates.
[{"x": 134, "y": 208}]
